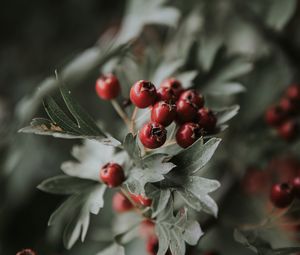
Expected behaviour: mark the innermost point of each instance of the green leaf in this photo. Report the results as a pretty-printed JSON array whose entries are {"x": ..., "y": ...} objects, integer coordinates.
[
  {"x": 226, "y": 89},
  {"x": 160, "y": 198},
  {"x": 64, "y": 185},
  {"x": 132, "y": 148},
  {"x": 186, "y": 78},
  {"x": 225, "y": 114},
  {"x": 114, "y": 249},
  {"x": 193, "y": 158}
]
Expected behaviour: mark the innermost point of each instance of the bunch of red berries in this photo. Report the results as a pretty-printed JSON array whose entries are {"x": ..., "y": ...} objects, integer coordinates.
[
  {"x": 168, "y": 103},
  {"x": 283, "y": 116}
]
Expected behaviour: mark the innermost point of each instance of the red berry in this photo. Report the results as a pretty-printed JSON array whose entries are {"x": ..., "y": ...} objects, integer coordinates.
[
  {"x": 193, "y": 97},
  {"x": 147, "y": 228},
  {"x": 163, "y": 113},
  {"x": 26, "y": 252},
  {"x": 187, "y": 134},
  {"x": 166, "y": 94},
  {"x": 207, "y": 120},
  {"x": 143, "y": 94},
  {"x": 141, "y": 200},
  {"x": 112, "y": 174},
  {"x": 153, "y": 135},
  {"x": 288, "y": 106},
  {"x": 108, "y": 87},
  {"x": 274, "y": 116},
  {"x": 293, "y": 92},
  {"x": 288, "y": 130},
  {"x": 174, "y": 85},
  {"x": 296, "y": 187},
  {"x": 152, "y": 245},
  {"x": 121, "y": 203},
  {"x": 281, "y": 195},
  {"x": 185, "y": 111},
  {"x": 255, "y": 181}
]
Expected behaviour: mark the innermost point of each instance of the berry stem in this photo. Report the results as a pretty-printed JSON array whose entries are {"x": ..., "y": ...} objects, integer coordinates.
[
  {"x": 137, "y": 207},
  {"x": 132, "y": 122},
  {"x": 121, "y": 113}
]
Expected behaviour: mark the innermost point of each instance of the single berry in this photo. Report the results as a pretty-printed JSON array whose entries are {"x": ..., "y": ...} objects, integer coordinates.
[
  {"x": 146, "y": 228},
  {"x": 207, "y": 120},
  {"x": 112, "y": 175},
  {"x": 281, "y": 195},
  {"x": 288, "y": 130},
  {"x": 185, "y": 111},
  {"x": 26, "y": 252},
  {"x": 141, "y": 199},
  {"x": 163, "y": 113},
  {"x": 143, "y": 94},
  {"x": 288, "y": 106},
  {"x": 108, "y": 87},
  {"x": 166, "y": 94},
  {"x": 121, "y": 203},
  {"x": 174, "y": 85},
  {"x": 274, "y": 116},
  {"x": 152, "y": 245},
  {"x": 187, "y": 134},
  {"x": 193, "y": 97},
  {"x": 153, "y": 135},
  {"x": 296, "y": 187},
  {"x": 293, "y": 92}
]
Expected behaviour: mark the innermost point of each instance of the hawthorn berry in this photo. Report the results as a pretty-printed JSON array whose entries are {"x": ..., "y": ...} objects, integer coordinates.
[
  {"x": 274, "y": 115},
  {"x": 141, "y": 199},
  {"x": 112, "y": 174},
  {"x": 152, "y": 245},
  {"x": 146, "y": 228},
  {"x": 108, "y": 87},
  {"x": 163, "y": 113},
  {"x": 185, "y": 111},
  {"x": 288, "y": 130},
  {"x": 296, "y": 187},
  {"x": 281, "y": 195},
  {"x": 193, "y": 97},
  {"x": 207, "y": 120},
  {"x": 255, "y": 181},
  {"x": 187, "y": 134},
  {"x": 293, "y": 92},
  {"x": 287, "y": 105},
  {"x": 174, "y": 85},
  {"x": 26, "y": 252},
  {"x": 166, "y": 94},
  {"x": 153, "y": 135},
  {"x": 143, "y": 94},
  {"x": 121, "y": 203}
]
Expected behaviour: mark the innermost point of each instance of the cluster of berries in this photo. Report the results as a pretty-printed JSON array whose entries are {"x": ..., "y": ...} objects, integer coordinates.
[
  {"x": 168, "y": 103},
  {"x": 26, "y": 252},
  {"x": 283, "y": 116}
]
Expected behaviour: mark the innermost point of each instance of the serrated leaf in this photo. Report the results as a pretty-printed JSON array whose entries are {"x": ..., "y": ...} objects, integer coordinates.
[
  {"x": 160, "y": 198},
  {"x": 225, "y": 114},
  {"x": 193, "y": 158},
  {"x": 64, "y": 185},
  {"x": 186, "y": 78},
  {"x": 114, "y": 249},
  {"x": 226, "y": 89}
]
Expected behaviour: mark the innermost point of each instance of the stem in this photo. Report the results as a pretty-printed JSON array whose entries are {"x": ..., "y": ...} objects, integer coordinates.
[
  {"x": 137, "y": 207},
  {"x": 121, "y": 113},
  {"x": 132, "y": 122}
]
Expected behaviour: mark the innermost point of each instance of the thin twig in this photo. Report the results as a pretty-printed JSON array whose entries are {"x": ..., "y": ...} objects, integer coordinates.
[
  {"x": 132, "y": 123},
  {"x": 121, "y": 113}
]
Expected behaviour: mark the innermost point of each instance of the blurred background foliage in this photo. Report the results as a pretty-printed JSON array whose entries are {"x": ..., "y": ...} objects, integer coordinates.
[{"x": 227, "y": 43}]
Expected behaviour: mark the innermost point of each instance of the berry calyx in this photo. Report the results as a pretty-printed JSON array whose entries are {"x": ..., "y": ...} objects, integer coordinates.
[
  {"x": 112, "y": 175},
  {"x": 293, "y": 92},
  {"x": 121, "y": 203},
  {"x": 174, "y": 85},
  {"x": 153, "y": 135},
  {"x": 166, "y": 94},
  {"x": 288, "y": 130},
  {"x": 143, "y": 94},
  {"x": 185, "y": 111},
  {"x": 187, "y": 134},
  {"x": 163, "y": 113},
  {"x": 108, "y": 87},
  {"x": 274, "y": 116},
  {"x": 207, "y": 120},
  {"x": 296, "y": 187},
  {"x": 141, "y": 200},
  {"x": 193, "y": 97},
  {"x": 281, "y": 195},
  {"x": 26, "y": 252}
]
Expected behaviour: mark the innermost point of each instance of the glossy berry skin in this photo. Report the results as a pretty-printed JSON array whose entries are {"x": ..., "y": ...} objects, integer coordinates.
[
  {"x": 143, "y": 94},
  {"x": 193, "y": 97},
  {"x": 112, "y": 175},
  {"x": 141, "y": 200},
  {"x": 163, "y": 113},
  {"x": 174, "y": 85},
  {"x": 281, "y": 195},
  {"x": 121, "y": 203},
  {"x": 108, "y": 87},
  {"x": 296, "y": 187},
  {"x": 274, "y": 116},
  {"x": 207, "y": 120},
  {"x": 167, "y": 95},
  {"x": 288, "y": 130},
  {"x": 293, "y": 92},
  {"x": 185, "y": 112},
  {"x": 26, "y": 252},
  {"x": 153, "y": 135},
  {"x": 187, "y": 134}
]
